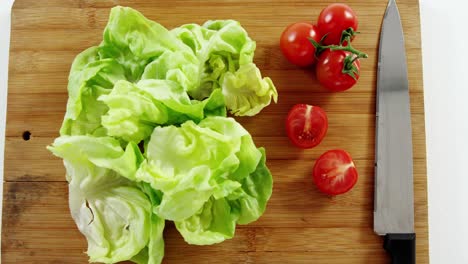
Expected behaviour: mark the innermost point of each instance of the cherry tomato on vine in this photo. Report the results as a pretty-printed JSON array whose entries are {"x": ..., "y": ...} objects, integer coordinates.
[
  {"x": 306, "y": 125},
  {"x": 334, "y": 172},
  {"x": 335, "y": 70},
  {"x": 295, "y": 43},
  {"x": 333, "y": 20}
]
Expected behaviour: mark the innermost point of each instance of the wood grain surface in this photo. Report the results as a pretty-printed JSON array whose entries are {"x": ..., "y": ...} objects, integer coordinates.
[{"x": 300, "y": 224}]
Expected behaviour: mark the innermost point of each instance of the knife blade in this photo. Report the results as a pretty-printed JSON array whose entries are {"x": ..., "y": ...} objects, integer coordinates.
[{"x": 394, "y": 201}]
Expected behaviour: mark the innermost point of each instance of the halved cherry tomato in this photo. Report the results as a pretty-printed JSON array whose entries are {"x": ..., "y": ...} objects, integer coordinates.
[
  {"x": 329, "y": 70},
  {"x": 334, "y": 172},
  {"x": 306, "y": 125},
  {"x": 295, "y": 43},
  {"x": 333, "y": 20}
]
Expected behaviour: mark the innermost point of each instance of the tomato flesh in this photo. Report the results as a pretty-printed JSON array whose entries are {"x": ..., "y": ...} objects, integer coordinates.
[
  {"x": 334, "y": 172},
  {"x": 295, "y": 43},
  {"x": 333, "y": 20},
  {"x": 329, "y": 71},
  {"x": 306, "y": 125}
]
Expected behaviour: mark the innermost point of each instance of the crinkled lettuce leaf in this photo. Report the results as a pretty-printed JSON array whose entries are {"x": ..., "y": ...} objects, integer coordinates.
[
  {"x": 135, "y": 41},
  {"x": 246, "y": 92},
  {"x": 226, "y": 53},
  {"x": 153, "y": 253},
  {"x": 103, "y": 152},
  {"x": 115, "y": 218},
  {"x": 223, "y": 176},
  {"x": 90, "y": 77},
  {"x": 179, "y": 66},
  {"x": 136, "y": 109},
  {"x": 213, "y": 223},
  {"x": 206, "y": 155},
  {"x": 111, "y": 211},
  {"x": 249, "y": 202},
  {"x": 216, "y": 221}
]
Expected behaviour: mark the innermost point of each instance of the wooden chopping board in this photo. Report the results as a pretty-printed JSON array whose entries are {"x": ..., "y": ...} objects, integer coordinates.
[{"x": 300, "y": 224}]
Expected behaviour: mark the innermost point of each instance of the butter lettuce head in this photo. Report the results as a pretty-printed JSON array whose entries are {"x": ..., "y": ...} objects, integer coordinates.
[
  {"x": 145, "y": 137},
  {"x": 200, "y": 61},
  {"x": 113, "y": 213},
  {"x": 214, "y": 165},
  {"x": 225, "y": 53}
]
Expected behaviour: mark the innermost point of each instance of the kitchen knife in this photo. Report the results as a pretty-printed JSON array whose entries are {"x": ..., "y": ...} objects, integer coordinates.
[{"x": 393, "y": 201}]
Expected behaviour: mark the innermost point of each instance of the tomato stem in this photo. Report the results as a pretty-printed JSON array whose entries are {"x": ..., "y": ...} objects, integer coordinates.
[
  {"x": 350, "y": 49},
  {"x": 347, "y": 34},
  {"x": 348, "y": 66}
]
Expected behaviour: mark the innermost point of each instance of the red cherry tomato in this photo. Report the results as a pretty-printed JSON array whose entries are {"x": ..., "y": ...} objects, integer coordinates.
[
  {"x": 329, "y": 71},
  {"x": 306, "y": 125},
  {"x": 333, "y": 20},
  {"x": 334, "y": 172},
  {"x": 295, "y": 43}
]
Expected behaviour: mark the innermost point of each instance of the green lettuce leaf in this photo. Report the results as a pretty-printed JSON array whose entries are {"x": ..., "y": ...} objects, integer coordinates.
[
  {"x": 136, "y": 109},
  {"x": 194, "y": 36},
  {"x": 226, "y": 52},
  {"x": 230, "y": 38},
  {"x": 246, "y": 92},
  {"x": 90, "y": 77},
  {"x": 223, "y": 176},
  {"x": 115, "y": 218},
  {"x": 216, "y": 221},
  {"x": 135, "y": 41},
  {"x": 112, "y": 212},
  {"x": 154, "y": 251},
  {"x": 220, "y": 46},
  {"x": 248, "y": 155},
  {"x": 104, "y": 152},
  {"x": 212, "y": 224},
  {"x": 206, "y": 155},
  {"x": 180, "y": 66},
  {"x": 249, "y": 202}
]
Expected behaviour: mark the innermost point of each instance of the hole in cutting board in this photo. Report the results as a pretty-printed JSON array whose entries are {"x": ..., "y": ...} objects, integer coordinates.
[{"x": 26, "y": 135}]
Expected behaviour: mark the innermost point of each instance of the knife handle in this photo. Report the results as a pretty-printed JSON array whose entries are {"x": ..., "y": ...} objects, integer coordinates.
[{"x": 401, "y": 247}]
